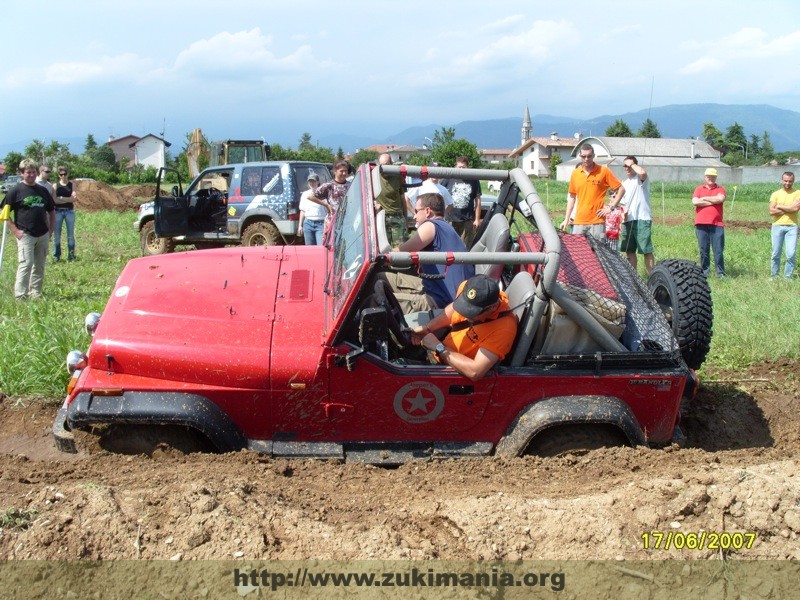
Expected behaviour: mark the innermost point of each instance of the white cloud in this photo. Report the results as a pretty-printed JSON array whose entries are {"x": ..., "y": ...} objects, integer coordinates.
[{"x": 701, "y": 66}]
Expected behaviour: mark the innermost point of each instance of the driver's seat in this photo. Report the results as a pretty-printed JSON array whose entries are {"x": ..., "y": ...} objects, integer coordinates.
[{"x": 495, "y": 238}]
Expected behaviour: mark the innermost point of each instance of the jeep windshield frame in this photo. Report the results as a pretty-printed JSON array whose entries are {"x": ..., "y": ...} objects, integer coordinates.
[{"x": 351, "y": 243}]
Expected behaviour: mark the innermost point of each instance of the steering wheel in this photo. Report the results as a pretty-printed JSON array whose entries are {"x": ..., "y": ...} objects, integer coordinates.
[{"x": 395, "y": 316}]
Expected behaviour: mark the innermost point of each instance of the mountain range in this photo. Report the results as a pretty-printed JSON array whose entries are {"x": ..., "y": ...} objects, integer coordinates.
[{"x": 673, "y": 121}]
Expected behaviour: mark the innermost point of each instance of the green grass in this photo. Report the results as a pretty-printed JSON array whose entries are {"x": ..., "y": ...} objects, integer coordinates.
[
  {"x": 750, "y": 322},
  {"x": 35, "y": 336}
]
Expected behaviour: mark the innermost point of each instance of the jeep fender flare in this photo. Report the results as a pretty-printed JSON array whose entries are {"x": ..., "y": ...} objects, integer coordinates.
[
  {"x": 568, "y": 410},
  {"x": 157, "y": 408}
]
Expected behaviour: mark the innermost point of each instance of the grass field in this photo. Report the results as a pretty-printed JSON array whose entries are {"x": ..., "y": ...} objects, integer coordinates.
[{"x": 750, "y": 311}]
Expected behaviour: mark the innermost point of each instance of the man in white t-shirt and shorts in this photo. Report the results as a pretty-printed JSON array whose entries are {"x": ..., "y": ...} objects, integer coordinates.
[{"x": 636, "y": 235}]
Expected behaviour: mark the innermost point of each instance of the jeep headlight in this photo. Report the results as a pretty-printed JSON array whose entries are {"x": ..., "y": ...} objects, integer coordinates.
[
  {"x": 76, "y": 361},
  {"x": 90, "y": 322}
]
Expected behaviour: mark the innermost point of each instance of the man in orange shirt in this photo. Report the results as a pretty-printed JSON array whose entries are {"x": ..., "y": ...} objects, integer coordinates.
[
  {"x": 482, "y": 329},
  {"x": 588, "y": 186}
]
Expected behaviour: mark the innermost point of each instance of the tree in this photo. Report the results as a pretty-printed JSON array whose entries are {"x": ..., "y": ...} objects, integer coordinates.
[
  {"x": 52, "y": 154},
  {"x": 364, "y": 156},
  {"x": 767, "y": 149},
  {"x": 555, "y": 160},
  {"x": 12, "y": 161},
  {"x": 278, "y": 152},
  {"x": 316, "y": 154},
  {"x": 619, "y": 129},
  {"x": 91, "y": 144},
  {"x": 754, "y": 148},
  {"x": 103, "y": 158},
  {"x": 735, "y": 140},
  {"x": 339, "y": 153},
  {"x": 446, "y": 148},
  {"x": 648, "y": 129},
  {"x": 713, "y": 135},
  {"x": 305, "y": 142}
]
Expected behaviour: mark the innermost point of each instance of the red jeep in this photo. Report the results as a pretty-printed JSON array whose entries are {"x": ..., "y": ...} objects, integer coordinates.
[{"x": 297, "y": 350}]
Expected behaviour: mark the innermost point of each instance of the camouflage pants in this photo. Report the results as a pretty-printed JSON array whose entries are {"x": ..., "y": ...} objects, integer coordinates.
[{"x": 396, "y": 230}]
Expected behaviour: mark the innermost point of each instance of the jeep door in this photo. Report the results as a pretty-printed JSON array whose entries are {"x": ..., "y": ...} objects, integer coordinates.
[
  {"x": 379, "y": 400},
  {"x": 170, "y": 210}
]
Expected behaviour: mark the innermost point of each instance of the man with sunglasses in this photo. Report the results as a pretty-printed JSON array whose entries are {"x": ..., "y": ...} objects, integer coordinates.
[
  {"x": 434, "y": 234},
  {"x": 482, "y": 329}
]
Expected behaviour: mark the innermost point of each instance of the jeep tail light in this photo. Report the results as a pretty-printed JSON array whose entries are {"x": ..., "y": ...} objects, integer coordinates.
[{"x": 293, "y": 212}]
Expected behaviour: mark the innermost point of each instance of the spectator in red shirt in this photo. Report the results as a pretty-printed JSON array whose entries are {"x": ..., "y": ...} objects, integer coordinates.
[{"x": 708, "y": 226}]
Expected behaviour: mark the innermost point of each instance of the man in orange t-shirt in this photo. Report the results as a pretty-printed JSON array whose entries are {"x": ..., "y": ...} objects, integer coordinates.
[
  {"x": 482, "y": 329},
  {"x": 588, "y": 186}
]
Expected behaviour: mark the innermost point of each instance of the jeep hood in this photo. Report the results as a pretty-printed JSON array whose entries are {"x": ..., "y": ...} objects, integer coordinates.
[{"x": 208, "y": 317}]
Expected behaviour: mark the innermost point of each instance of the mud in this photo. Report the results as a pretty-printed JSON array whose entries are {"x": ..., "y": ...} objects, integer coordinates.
[
  {"x": 738, "y": 474},
  {"x": 96, "y": 195}
]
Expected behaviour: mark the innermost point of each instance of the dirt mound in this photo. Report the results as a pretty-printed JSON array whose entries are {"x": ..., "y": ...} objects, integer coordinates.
[
  {"x": 737, "y": 475},
  {"x": 96, "y": 195}
]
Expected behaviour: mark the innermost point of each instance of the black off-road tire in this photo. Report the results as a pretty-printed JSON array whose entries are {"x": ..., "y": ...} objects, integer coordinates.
[
  {"x": 682, "y": 292},
  {"x": 152, "y": 440},
  {"x": 578, "y": 438},
  {"x": 151, "y": 244},
  {"x": 261, "y": 233}
]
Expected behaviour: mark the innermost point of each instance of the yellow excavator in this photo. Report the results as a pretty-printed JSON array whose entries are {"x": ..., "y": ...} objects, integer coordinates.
[{"x": 223, "y": 152}]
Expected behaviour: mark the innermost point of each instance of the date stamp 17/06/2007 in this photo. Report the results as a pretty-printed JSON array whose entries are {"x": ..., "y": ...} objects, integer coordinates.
[{"x": 702, "y": 540}]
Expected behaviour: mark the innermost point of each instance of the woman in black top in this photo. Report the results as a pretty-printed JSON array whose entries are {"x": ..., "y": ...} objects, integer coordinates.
[{"x": 65, "y": 212}]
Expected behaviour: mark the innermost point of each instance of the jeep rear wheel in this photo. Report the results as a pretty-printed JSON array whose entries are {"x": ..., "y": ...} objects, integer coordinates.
[
  {"x": 682, "y": 292},
  {"x": 579, "y": 438},
  {"x": 153, "y": 245},
  {"x": 261, "y": 233}
]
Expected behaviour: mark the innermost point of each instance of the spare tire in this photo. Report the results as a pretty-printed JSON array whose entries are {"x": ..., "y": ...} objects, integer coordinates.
[{"x": 681, "y": 290}]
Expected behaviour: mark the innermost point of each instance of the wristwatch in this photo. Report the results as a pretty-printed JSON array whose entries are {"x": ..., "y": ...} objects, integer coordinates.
[{"x": 440, "y": 349}]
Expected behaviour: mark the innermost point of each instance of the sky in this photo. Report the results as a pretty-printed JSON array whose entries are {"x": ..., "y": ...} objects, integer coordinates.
[{"x": 274, "y": 70}]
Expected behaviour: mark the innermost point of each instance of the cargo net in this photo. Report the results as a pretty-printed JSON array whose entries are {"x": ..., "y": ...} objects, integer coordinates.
[
  {"x": 601, "y": 280},
  {"x": 645, "y": 328}
]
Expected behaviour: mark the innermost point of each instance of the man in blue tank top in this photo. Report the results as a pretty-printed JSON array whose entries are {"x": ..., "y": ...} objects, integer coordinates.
[{"x": 434, "y": 234}]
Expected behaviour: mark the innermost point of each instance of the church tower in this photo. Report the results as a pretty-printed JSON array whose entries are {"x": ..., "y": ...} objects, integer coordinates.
[{"x": 527, "y": 127}]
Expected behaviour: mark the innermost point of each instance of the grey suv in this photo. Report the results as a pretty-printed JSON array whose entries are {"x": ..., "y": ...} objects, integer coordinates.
[{"x": 252, "y": 203}]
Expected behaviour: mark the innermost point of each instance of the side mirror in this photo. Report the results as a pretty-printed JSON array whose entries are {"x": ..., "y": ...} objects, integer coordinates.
[{"x": 175, "y": 191}]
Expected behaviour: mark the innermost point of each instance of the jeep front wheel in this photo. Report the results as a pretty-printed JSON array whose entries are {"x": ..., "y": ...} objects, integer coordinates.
[
  {"x": 153, "y": 245},
  {"x": 682, "y": 293},
  {"x": 261, "y": 233},
  {"x": 152, "y": 439}
]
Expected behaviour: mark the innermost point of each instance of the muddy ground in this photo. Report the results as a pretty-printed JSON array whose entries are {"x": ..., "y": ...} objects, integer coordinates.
[
  {"x": 96, "y": 195},
  {"x": 737, "y": 475}
]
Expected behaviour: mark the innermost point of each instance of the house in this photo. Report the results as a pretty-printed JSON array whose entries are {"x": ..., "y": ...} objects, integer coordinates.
[
  {"x": 535, "y": 153},
  {"x": 666, "y": 159},
  {"x": 150, "y": 151},
  {"x": 495, "y": 156},
  {"x": 122, "y": 147}
]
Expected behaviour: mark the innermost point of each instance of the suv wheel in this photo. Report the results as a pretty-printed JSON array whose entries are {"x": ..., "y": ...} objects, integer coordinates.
[
  {"x": 261, "y": 233},
  {"x": 682, "y": 292},
  {"x": 575, "y": 439},
  {"x": 151, "y": 243}
]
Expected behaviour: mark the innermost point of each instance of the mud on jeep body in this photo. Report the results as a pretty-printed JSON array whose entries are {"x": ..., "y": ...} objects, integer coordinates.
[{"x": 283, "y": 350}]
